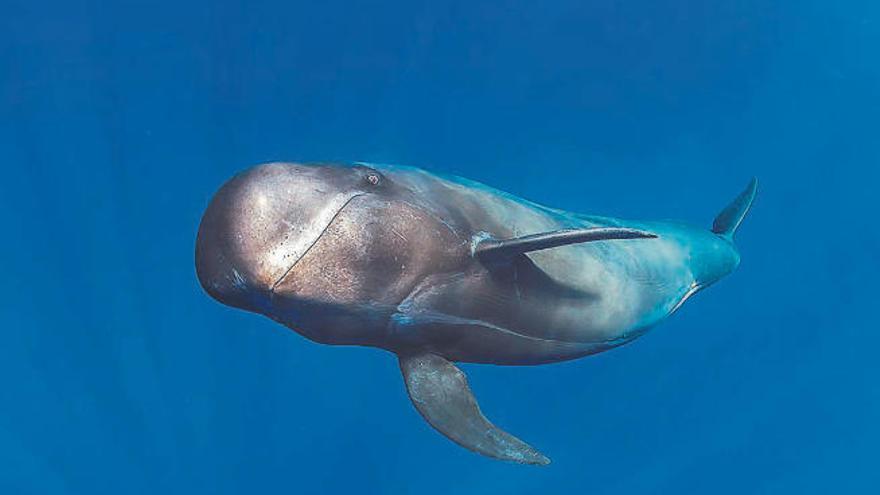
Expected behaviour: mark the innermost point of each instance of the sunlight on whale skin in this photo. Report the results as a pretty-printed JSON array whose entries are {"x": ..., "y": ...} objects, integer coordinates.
[{"x": 441, "y": 270}]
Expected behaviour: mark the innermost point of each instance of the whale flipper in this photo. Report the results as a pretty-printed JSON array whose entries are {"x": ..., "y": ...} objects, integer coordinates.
[
  {"x": 441, "y": 394},
  {"x": 731, "y": 216},
  {"x": 494, "y": 251}
]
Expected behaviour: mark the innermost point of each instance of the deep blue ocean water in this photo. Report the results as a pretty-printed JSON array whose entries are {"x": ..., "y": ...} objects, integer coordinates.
[{"x": 118, "y": 120}]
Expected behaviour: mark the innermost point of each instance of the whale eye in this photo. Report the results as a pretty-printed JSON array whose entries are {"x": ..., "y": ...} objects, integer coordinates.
[{"x": 373, "y": 179}]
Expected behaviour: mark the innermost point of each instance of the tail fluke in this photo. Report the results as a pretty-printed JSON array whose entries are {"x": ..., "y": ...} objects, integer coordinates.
[{"x": 730, "y": 217}]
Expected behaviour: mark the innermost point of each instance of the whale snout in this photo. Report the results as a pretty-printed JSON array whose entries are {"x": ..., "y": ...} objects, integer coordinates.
[
  {"x": 244, "y": 240},
  {"x": 261, "y": 223}
]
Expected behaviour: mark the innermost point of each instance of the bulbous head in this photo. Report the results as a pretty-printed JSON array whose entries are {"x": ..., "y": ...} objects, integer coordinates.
[
  {"x": 327, "y": 250},
  {"x": 262, "y": 221}
]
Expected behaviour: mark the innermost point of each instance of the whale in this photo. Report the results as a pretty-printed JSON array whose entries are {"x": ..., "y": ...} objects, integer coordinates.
[{"x": 441, "y": 270}]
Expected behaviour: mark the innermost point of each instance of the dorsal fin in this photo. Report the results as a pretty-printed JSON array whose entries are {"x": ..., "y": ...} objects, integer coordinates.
[
  {"x": 500, "y": 251},
  {"x": 730, "y": 217}
]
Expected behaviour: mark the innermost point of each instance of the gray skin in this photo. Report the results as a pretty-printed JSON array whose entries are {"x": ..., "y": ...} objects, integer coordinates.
[{"x": 423, "y": 266}]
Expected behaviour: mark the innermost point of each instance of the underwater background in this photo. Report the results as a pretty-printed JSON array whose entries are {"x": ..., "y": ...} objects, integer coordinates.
[{"x": 118, "y": 121}]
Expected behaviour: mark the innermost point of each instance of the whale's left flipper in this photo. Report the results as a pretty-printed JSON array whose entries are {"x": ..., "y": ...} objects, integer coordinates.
[
  {"x": 440, "y": 392},
  {"x": 496, "y": 251}
]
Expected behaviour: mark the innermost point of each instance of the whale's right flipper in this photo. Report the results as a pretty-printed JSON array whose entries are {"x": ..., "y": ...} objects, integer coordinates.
[
  {"x": 440, "y": 392},
  {"x": 495, "y": 251}
]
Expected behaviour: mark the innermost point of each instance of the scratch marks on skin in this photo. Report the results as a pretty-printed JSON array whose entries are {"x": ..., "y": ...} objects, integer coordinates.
[
  {"x": 516, "y": 270},
  {"x": 238, "y": 281},
  {"x": 434, "y": 216},
  {"x": 398, "y": 234},
  {"x": 516, "y": 283}
]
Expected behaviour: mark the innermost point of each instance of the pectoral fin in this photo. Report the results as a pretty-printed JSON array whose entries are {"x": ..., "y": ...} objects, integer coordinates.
[
  {"x": 495, "y": 251},
  {"x": 440, "y": 392}
]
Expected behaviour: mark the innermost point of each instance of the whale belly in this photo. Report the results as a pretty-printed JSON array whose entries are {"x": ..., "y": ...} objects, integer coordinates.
[
  {"x": 550, "y": 306},
  {"x": 483, "y": 317}
]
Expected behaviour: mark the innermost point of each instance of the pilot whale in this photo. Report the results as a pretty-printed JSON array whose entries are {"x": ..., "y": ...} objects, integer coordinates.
[{"x": 443, "y": 270}]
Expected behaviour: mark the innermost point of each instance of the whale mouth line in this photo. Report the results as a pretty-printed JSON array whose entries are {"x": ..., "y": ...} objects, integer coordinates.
[{"x": 311, "y": 245}]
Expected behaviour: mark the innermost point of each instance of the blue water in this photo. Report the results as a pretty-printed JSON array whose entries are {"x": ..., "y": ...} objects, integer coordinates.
[{"x": 118, "y": 120}]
